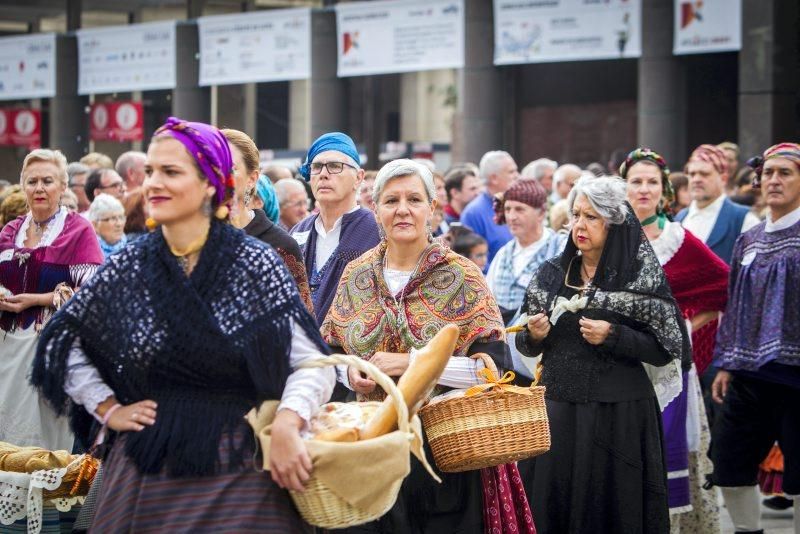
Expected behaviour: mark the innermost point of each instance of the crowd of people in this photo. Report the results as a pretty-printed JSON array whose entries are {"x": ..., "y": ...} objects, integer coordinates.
[{"x": 149, "y": 303}]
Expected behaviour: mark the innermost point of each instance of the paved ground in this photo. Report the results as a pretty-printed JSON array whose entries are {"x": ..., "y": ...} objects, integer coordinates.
[{"x": 773, "y": 522}]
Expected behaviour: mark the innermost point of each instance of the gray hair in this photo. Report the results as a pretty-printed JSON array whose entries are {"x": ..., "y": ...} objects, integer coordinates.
[
  {"x": 127, "y": 161},
  {"x": 399, "y": 168},
  {"x": 606, "y": 194},
  {"x": 284, "y": 188},
  {"x": 102, "y": 204},
  {"x": 536, "y": 168},
  {"x": 561, "y": 172},
  {"x": 75, "y": 168},
  {"x": 491, "y": 162}
]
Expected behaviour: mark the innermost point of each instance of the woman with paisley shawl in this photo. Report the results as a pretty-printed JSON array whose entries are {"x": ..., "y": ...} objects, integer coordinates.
[
  {"x": 393, "y": 299},
  {"x": 604, "y": 319}
]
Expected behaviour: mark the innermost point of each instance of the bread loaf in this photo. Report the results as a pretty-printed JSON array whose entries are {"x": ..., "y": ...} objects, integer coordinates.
[{"x": 416, "y": 383}]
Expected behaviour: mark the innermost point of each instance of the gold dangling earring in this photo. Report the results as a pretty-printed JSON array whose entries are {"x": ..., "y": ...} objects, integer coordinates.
[
  {"x": 222, "y": 212},
  {"x": 150, "y": 223}
]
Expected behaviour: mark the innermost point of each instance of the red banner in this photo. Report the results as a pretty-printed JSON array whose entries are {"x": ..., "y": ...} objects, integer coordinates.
[
  {"x": 21, "y": 127},
  {"x": 116, "y": 121}
]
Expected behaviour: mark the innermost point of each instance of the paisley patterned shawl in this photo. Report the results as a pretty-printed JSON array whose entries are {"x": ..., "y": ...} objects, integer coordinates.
[{"x": 446, "y": 289}]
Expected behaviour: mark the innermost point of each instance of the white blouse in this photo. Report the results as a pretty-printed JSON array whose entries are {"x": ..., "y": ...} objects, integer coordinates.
[{"x": 305, "y": 390}]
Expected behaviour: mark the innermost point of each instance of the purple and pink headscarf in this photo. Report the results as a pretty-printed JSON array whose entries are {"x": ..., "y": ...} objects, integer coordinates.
[{"x": 209, "y": 148}]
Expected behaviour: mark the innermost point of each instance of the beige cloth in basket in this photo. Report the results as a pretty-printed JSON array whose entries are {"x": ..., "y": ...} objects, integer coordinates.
[{"x": 357, "y": 472}]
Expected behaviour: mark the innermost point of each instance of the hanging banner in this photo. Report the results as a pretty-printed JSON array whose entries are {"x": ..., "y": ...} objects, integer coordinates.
[
  {"x": 399, "y": 36},
  {"x": 703, "y": 26},
  {"x": 28, "y": 66},
  {"x": 116, "y": 121},
  {"x": 258, "y": 46},
  {"x": 21, "y": 127},
  {"x": 137, "y": 57},
  {"x": 539, "y": 31}
]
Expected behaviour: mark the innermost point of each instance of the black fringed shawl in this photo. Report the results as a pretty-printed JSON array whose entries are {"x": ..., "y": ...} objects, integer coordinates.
[
  {"x": 206, "y": 348},
  {"x": 630, "y": 287}
]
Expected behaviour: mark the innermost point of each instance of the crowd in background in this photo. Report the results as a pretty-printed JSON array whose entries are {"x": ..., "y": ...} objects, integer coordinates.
[{"x": 511, "y": 237}]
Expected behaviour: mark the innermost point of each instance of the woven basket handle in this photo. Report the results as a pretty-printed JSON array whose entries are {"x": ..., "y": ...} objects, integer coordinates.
[{"x": 374, "y": 373}]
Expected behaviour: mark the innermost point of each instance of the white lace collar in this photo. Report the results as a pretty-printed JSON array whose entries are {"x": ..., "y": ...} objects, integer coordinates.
[
  {"x": 53, "y": 229},
  {"x": 668, "y": 243}
]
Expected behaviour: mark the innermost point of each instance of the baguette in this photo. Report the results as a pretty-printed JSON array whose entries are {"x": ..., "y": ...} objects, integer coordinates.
[{"x": 416, "y": 383}]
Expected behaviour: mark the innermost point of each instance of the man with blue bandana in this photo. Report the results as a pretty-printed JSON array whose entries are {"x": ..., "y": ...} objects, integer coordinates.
[{"x": 341, "y": 231}]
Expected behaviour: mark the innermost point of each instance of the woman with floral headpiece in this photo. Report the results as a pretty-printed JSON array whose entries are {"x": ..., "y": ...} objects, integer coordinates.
[
  {"x": 698, "y": 279},
  {"x": 172, "y": 342}
]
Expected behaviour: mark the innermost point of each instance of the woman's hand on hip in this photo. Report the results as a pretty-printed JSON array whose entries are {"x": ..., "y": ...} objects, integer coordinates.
[
  {"x": 538, "y": 327},
  {"x": 594, "y": 331},
  {"x": 289, "y": 462},
  {"x": 391, "y": 363},
  {"x": 133, "y": 417}
]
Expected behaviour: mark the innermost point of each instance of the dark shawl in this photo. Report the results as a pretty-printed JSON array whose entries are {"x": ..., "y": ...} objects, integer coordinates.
[
  {"x": 359, "y": 234},
  {"x": 206, "y": 348},
  {"x": 287, "y": 248},
  {"x": 630, "y": 286}
]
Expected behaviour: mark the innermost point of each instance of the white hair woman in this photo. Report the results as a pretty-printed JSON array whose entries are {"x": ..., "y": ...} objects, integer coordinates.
[
  {"x": 604, "y": 319},
  {"x": 107, "y": 215},
  {"x": 44, "y": 257},
  {"x": 394, "y": 299}
]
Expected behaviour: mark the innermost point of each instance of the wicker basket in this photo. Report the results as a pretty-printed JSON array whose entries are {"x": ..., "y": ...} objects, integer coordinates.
[
  {"x": 318, "y": 505},
  {"x": 488, "y": 429}
]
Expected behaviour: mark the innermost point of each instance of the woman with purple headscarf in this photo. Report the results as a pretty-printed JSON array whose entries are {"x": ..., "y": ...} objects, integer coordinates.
[{"x": 172, "y": 342}]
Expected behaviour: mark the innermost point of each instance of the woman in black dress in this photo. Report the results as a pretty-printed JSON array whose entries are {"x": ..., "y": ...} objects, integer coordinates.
[{"x": 604, "y": 319}]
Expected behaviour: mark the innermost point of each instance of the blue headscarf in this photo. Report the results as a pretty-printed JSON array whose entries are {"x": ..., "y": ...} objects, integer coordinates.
[
  {"x": 266, "y": 193},
  {"x": 329, "y": 141}
]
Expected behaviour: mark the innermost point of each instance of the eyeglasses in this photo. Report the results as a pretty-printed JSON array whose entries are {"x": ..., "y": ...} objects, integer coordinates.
[
  {"x": 113, "y": 218},
  {"x": 116, "y": 185},
  {"x": 333, "y": 167}
]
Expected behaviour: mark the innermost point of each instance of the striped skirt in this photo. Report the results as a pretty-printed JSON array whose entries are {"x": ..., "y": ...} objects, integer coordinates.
[{"x": 241, "y": 501}]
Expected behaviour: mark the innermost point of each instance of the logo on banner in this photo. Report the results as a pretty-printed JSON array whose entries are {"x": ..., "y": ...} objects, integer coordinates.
[
  {"x": 127, "y": 117},
  {"x": 20, "y": 127},
  {"x": 691, "y": 11},
  {"x": 117, "y": 121},
  {"x": 25, "y": 123},
  {"x": 350, "y": 42},
  {"x": 100, "y": 117}
]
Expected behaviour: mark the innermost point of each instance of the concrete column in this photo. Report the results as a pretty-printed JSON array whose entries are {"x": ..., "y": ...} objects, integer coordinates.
[
  {"x": 69, "y": 122},
  {"x": 328, "y": 94},
  {"x": 478, "y": 124},
  {"x": 300, "y": 114},
  {"x": 427, "y": 106},
  {"x": 662, "y": 113},
  {"x": 768, "y": 75},
  {"x": 189, "y": 100}
]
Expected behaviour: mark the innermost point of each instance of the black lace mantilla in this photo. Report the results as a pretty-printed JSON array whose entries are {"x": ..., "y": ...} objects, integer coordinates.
[
  {"x": 206, "y": 347},
  {"x": 629, "y": 281}
]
